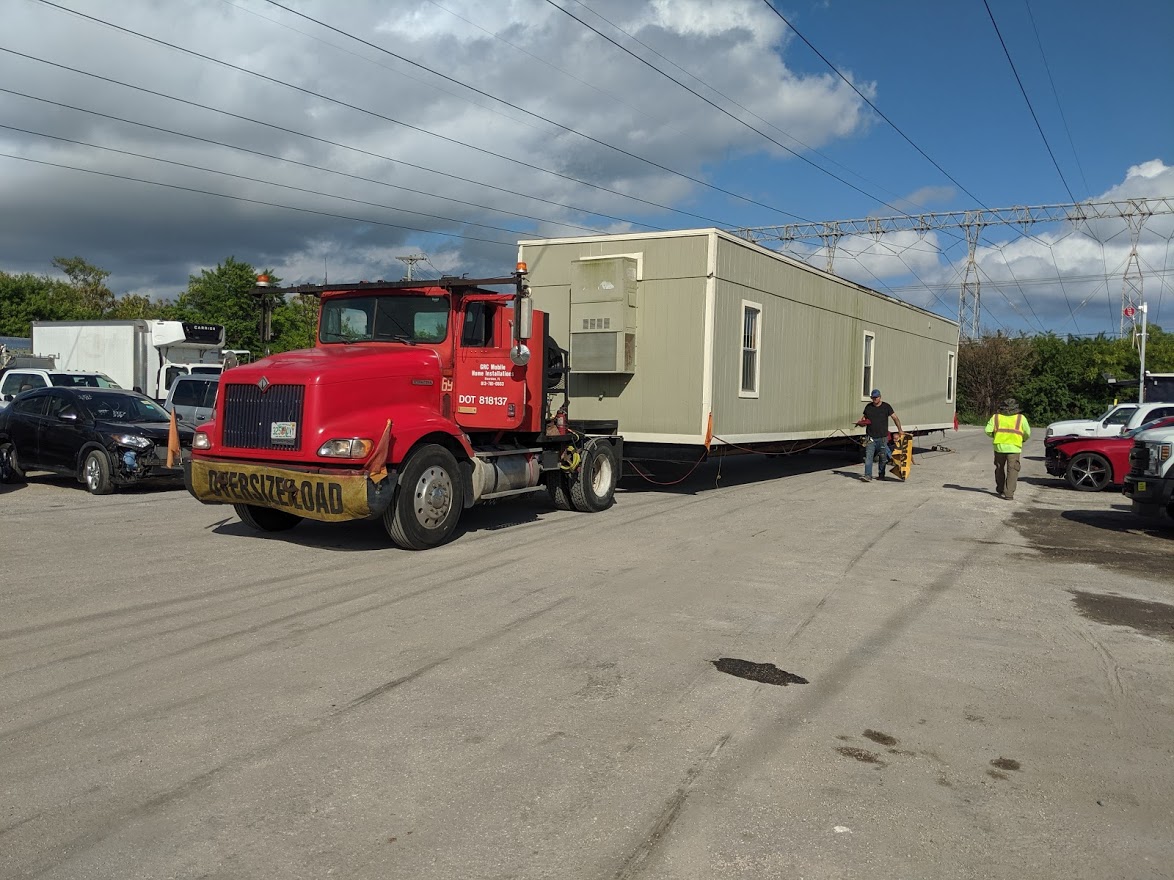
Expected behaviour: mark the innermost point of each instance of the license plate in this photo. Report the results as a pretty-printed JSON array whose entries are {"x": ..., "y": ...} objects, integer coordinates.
[
  {"x": 283, "y": 430},
  {"x": 1141, "y": 487}
]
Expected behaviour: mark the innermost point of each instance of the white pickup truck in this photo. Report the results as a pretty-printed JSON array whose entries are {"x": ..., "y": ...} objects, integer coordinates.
[
  {"x": 1150, "y": 482},
  {"x": 1114, "y": 422}
]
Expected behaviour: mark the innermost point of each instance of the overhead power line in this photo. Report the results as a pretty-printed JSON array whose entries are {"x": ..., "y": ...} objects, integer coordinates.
[
  {"x": 375, "y": 114},
  {"x": 1023, "y": 92},
  {"x": 1133, "y": 211},
  {"x": 359, "y": 150},
  {"x": 868, "y": 101},
  {"x": 205, "y": 192},
  {"x": 300, "y": 164},
  {"x": 532, "y": 113}
]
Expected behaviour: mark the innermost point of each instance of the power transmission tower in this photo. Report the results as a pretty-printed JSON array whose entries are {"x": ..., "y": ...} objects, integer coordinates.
[
  {"x": 411, "y": 260},
  {"x": 1133, "y": 211}
]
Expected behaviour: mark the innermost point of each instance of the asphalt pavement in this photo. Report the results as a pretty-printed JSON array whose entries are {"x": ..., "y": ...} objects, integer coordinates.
[{"x": 967, "y": 687}]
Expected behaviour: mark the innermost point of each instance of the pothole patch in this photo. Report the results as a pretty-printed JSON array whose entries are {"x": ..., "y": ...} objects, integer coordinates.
[{"x": 764, "y": 673}]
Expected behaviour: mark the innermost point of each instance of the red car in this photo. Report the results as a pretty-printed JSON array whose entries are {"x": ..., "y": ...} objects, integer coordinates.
[{"x": 1092, "y": 463}]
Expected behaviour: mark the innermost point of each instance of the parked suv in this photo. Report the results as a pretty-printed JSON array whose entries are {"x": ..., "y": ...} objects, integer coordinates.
[
  {"x": 192, "y": 398},
  {"x": 1150, "y": 482},
  {"x": 104, "y": 437},
  {"x": 19, "y": 379},
  {"x": 1114, "y": 422}
]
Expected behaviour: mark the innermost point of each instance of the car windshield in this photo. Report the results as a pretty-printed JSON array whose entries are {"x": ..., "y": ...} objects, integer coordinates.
[
  {"x": 123, "y": 408},
  {"x": 409, "y": 318},
  {"x": 1163, "y": 422},
  {"x": 1118, "y": 416},
  {"x": 90, "y": 381}
]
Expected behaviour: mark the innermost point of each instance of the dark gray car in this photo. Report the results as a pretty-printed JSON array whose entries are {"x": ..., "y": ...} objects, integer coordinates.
[{"x": 193, "y": 398}]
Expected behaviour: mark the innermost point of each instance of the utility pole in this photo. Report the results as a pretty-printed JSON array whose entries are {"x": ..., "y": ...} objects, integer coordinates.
[
  {"x": 1143, "y": 308},
  {"x": 411, "y": 260}
]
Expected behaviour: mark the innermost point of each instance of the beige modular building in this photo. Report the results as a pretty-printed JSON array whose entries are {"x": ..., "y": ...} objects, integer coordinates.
[{"x": 697, "y": 337}]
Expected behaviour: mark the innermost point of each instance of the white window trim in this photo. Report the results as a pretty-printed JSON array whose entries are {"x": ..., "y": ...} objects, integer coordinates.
[
  {"x": 868, "y": 334},
  {"x": 747, "y": 304},
  {"x": 951, "y": 376}
]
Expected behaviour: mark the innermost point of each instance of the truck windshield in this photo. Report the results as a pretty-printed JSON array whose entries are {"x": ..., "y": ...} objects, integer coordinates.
[{"x": 410, "y": 319}]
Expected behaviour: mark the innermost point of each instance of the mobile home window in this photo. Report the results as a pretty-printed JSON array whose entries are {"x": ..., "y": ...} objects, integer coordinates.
[
  {"x": 751, "y": 360},
  {"x": 869, "y": 354},
  {"x": 950, "y": 376}
]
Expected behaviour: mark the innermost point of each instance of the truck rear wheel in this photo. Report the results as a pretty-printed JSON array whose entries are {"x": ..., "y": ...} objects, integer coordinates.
[
  {"x": 266, "y": 519},
  {"x": 558, "y": 487},
  {"x": 428, "y": 502},
  {"x": 593, "y": 488}
]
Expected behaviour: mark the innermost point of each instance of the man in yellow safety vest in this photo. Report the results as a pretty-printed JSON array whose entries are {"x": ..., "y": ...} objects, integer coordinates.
[{"x": 1008, "y": 429}]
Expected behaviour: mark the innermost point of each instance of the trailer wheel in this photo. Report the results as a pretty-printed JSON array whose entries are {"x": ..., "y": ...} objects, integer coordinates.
[
  {"x": 96, "y": 473},
  {"x": 558, "y": 487},
  {"x": 593, "y": 488},
  {"x": 428, "y": 502},
  {"x": 266, "y": 519},
  {"x": 10, "y": 471}
]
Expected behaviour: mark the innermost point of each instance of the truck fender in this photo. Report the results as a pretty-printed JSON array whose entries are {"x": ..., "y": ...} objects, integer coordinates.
[{"x": 412, "y": 424}]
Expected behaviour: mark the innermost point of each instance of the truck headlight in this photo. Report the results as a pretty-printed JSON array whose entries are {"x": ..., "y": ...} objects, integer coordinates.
[
  {"x": 351, "y": 447},
  {"x": 134, "y": 441},
  {"x": 201, "y": 441}
]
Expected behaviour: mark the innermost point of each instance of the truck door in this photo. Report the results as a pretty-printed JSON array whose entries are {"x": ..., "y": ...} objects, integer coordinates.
[{"x": 490, "y": 391}]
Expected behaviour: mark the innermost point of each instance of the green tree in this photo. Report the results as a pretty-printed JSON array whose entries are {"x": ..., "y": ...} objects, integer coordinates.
[
  {"x": 26, "y": 298},
  {"x": 97, "y": 300},
  {"x": 295, "y": 323},
  {"x": 990, "y": 369}
]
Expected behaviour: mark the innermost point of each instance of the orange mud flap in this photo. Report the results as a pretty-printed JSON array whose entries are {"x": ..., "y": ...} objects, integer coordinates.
[{"x": 324, "y": 495}]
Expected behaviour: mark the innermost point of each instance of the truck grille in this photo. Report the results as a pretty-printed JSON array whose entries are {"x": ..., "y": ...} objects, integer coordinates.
[
  {"x": 1139, "y": 458},
  {"x": 250, "y": 416}
]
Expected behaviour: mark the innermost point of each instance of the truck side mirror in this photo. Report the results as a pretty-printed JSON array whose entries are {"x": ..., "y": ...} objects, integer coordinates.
[{"x": 525, "y": 319}]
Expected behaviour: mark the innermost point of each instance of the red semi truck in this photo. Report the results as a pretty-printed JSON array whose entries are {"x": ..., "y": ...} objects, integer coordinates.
[{"x": 420, "y": 399}]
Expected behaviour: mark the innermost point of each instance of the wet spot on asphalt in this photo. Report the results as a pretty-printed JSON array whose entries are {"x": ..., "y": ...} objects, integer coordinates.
[
  {"x": 1116, "y": 539},
  {"x": 862, "y": 755},
  {"x": 1147, "y": 617},
  {"x": 880, "y": 738},
  {"x": 1005, "y": 763},
  {"x": 765, "y": 673}
]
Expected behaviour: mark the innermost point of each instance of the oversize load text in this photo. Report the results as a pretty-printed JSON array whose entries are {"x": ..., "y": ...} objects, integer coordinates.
[{"x": 310, "y": 496}]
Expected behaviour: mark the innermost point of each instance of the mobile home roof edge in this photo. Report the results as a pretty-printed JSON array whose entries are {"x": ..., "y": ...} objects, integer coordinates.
[{"x": 733, "y": 239}]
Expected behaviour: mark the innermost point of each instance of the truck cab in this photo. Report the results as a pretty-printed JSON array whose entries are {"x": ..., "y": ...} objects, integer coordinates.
[
  {"x": 1113, "y": 422},
  {"x": 416, "y": 402},
  {"x": 1150, "y": 482}
]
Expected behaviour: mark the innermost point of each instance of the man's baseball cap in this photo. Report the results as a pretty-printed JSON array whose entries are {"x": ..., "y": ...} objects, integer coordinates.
[{"x": 875, "y": 393}]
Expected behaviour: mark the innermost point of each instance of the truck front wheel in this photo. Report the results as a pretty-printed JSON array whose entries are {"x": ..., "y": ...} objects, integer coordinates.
[
  {"x": 593, "y": 488},
  {"x": 266, "y": 519},
  {"x": 428, "y": 502}
]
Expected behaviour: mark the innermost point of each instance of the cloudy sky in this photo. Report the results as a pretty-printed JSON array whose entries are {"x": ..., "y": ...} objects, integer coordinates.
[{"x": 156, "y": 138}]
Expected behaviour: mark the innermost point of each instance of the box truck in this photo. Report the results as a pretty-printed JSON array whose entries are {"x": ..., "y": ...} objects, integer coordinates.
[{"x": 141, "y": 354}]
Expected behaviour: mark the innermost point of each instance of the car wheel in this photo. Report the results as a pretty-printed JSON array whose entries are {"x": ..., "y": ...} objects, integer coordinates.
[
  {"x": 1088, "y": 472},
  {"x": 428, "y": 502},
  {"x": 96, "y": 473},
  {"x": 10, "y": 471},
  {"x": 266, "y": 519},
  {"x": 593, "y": 488}
]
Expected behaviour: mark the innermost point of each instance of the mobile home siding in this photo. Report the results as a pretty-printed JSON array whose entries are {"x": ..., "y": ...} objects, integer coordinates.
[{"x": 693, "y": 286}]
